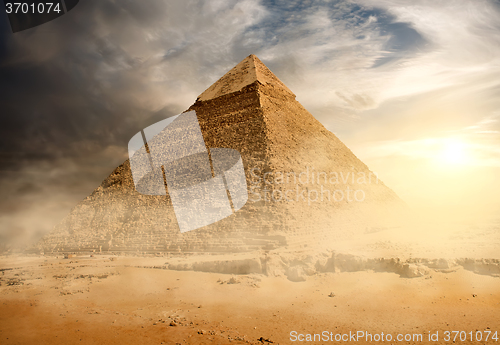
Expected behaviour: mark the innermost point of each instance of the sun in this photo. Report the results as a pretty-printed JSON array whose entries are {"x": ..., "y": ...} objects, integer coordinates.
[{"x": 454, "y": 151}]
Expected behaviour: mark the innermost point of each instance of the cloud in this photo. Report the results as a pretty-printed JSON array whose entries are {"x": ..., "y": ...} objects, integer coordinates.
[
  {"x": 343, "y": 59},
  {"x": 114, "y": 63},
  {"x": 76, "y": 89},
  {"x": 125, "y": 62}
]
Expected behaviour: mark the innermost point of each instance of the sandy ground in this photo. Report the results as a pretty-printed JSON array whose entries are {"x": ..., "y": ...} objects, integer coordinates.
[{"x": 105, "y": 300}]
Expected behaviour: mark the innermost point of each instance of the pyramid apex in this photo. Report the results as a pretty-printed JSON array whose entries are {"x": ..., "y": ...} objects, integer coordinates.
[
  {"x": 254, "y": 58},
  {"x": 248, "y": 71}
]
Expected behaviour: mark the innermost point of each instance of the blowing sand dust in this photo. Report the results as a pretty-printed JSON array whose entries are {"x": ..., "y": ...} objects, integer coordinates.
[{"x": 107, "y": 299}]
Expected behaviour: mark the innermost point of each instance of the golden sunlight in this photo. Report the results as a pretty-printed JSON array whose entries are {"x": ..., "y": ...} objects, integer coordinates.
[{"x": 453, "y": 151}]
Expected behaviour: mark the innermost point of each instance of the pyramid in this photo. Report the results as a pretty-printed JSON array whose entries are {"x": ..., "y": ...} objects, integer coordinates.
[{"x": 305, "y": 187}]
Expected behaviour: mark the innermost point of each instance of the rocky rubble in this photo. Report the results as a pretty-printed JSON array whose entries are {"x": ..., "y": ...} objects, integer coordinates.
[{"x": 297, "y": 267}]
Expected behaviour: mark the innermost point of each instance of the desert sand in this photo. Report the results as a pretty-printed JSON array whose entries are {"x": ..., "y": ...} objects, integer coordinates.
[{"x": 113, "y": 299}]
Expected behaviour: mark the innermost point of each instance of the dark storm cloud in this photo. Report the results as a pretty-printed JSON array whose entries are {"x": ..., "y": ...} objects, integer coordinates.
[
  {"x": 52, "y": 97},
  {"x": 75, "y": 90},
  {"x": 86, "y": 76}
]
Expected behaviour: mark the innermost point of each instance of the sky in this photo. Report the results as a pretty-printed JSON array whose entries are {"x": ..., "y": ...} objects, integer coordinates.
[{"x": 412, "y": 88}]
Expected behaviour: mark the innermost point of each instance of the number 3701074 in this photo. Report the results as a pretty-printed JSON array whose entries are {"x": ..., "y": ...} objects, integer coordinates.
[{"x": 23, "y": 7}]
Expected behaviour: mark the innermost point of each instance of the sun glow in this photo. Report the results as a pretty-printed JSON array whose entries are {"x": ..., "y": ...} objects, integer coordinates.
[{"x": 453, "y": 151}]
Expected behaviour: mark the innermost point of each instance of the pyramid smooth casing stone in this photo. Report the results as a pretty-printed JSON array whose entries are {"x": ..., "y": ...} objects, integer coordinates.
[{"x": 249, "y": 110}]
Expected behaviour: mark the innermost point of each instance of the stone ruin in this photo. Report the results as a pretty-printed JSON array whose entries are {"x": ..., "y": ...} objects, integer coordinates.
[{"x": 295, "y": 172}]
